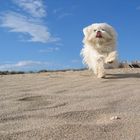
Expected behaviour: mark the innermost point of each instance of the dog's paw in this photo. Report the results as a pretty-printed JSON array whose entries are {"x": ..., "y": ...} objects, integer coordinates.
[
  {"x": 111, "y": 57},
  {"x": 110, "y": 62},
  {"x": 101, "y": 75}
]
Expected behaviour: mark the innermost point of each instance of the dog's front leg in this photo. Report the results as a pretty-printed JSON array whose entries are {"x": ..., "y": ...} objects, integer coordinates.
[
  {"x": 112, "y": 56},
  {"x": 100, "y": 68}
]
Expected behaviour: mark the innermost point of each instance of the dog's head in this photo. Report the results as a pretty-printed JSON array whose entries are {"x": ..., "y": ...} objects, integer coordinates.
[{"x": 99, "y": 33}]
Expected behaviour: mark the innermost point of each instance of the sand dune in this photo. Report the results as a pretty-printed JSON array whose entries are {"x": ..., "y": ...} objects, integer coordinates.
[{"x": 72, "y": 105}]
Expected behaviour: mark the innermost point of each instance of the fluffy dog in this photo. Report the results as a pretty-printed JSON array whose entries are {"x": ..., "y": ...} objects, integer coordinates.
[{"x": 99, "y": 48}]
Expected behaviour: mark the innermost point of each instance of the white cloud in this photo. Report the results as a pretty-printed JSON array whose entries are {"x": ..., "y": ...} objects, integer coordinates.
[
  {"x": 138, "y": 8},
  {"x": 55, "y": 11},
  {"x": 61, "y": 13},
  {"x": 38, "y": 65},
  {"x": 76, "y": 61},
  {"x": 30, "y": 65},
  {"x": 49, "y": 50},
  {"x": 64, "y": 15},
  {"x": 34, "y": 7},
  {"x": 21, "y": 24},
  {"x": 31, "y": 25},
  {"x": 26, "y": 65},
  {"x": 19, "y": 64}
]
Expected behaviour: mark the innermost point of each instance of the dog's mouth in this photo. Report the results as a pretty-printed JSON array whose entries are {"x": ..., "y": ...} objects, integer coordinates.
[{"x": 99, "y": 34}]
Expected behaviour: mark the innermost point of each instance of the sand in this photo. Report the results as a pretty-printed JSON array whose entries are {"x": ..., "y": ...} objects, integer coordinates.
[{"x": 72, "y": 105}]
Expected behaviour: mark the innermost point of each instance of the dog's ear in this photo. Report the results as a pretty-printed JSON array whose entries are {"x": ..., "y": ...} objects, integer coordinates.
[{"x": 86, "y": 31}]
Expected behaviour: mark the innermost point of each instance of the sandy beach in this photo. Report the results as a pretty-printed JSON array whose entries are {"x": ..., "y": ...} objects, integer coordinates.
[{"x": 71, "y": 105}]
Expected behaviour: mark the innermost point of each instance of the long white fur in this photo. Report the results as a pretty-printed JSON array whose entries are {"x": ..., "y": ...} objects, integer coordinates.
[{"x": 98, "y": 52}]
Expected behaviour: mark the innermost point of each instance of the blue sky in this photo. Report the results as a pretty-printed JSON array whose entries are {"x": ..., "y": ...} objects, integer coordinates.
[{"x": 47, "y": 34}]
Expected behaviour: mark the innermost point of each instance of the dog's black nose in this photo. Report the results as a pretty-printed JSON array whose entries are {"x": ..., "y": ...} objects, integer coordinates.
[
  {"x": 98, "y": 32},
  {"x": 99, "y": 35}
]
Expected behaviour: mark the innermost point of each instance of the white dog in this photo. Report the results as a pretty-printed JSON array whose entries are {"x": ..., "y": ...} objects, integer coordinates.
[{"x": 99, "y": 47}]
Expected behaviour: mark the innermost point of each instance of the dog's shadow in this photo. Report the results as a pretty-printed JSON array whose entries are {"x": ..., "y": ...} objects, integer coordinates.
[{"x": 122, "y": 76}]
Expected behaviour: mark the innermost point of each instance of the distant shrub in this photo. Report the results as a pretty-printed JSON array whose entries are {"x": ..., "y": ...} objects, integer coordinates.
[
  {"x": 126, "y": 64},
  {"x": 42, "y": 71},
  {"x": 11, "y": 72}
]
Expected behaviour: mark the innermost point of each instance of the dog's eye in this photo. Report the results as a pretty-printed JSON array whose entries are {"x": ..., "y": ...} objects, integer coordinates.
[
  {"x": 94, "y": 30},
  {"x": 103, "y": 29}
]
